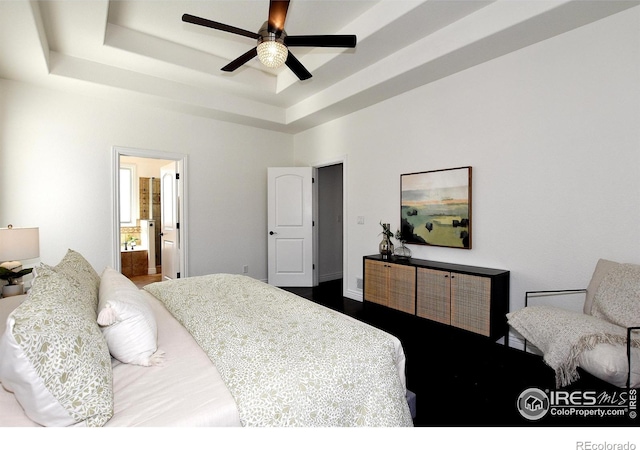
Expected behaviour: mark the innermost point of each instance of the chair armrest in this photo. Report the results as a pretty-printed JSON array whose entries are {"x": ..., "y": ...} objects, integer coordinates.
[
  {"x": 630, "y": 330},
  {"x": 533, "y": 294},
  {"x": 530, "y": 294}
]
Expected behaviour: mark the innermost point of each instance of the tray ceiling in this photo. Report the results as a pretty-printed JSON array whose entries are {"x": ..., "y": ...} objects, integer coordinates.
[{"x": 142, "y": 51}]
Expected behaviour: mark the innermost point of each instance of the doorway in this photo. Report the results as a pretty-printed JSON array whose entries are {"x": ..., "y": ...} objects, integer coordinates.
[
  {"x": 330, "y": 218},
  {"x": 139, "y": 213},
  {"x": 318, "y": 216}
]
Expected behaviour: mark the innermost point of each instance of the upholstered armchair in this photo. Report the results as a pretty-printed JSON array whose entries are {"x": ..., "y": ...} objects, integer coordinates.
[{"x": 603, "y": 339}]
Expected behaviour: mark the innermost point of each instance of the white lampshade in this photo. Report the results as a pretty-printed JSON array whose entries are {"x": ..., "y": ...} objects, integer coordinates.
[{"x": 19, "y": 243}]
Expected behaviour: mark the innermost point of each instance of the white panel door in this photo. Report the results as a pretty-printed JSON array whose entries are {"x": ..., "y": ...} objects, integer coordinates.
[
  {"x": 169, "y": 212},
  {"x": 290, "y": 226}
]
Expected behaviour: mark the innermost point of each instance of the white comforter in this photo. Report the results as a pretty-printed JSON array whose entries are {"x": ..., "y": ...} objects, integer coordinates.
[{"x": 288, "y": 361}]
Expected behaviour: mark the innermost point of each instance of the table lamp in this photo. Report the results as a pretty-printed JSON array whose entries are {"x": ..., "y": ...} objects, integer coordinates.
[{"x": 16, "y": 244}]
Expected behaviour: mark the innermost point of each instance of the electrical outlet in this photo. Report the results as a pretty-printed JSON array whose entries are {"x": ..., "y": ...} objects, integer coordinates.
[
  {"x": 245, "y": 269},
  {"x": 359, "y": 283}
]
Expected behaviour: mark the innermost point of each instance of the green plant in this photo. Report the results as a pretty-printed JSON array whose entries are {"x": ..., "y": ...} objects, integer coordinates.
[{"x": 10, "y": 276}]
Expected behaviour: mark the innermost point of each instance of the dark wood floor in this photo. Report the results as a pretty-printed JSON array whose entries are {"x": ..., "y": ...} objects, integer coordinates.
[{"x": 459, "y": 378}]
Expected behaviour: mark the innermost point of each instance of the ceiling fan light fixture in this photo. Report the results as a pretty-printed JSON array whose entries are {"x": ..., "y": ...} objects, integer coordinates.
[
  {"x": 272, "y": 41},
  {"x": 272, "y": 53}
]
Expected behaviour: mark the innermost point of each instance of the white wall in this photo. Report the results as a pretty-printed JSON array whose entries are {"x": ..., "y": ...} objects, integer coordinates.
[
  {"x": 55, "y": 173},
  {"x": 552, "y": 133}
]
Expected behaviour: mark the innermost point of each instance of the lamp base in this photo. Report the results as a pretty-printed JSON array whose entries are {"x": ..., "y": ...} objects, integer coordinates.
[{"x": 9, "y": 290}]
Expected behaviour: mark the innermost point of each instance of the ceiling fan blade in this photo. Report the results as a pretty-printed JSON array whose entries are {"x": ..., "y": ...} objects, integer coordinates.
[
  {"x": 233, "y": 65},
  {"x": 218, "y": 26},
  {"x": 336, "y": 40},
  {"x": 297, "y": 67},
  {"x": 277, "y": 15}
]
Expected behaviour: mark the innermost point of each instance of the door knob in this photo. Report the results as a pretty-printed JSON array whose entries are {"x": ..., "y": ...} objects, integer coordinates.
[{"x": 272, "y": 233}]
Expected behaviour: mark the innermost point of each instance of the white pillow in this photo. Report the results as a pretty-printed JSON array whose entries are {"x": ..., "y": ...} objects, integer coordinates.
[
  {"x": 127, "y": 321},
  {"x": 609, "y": 362}
]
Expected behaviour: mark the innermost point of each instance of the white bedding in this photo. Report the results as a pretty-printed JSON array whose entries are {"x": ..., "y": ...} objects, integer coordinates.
[
  {"x": 11, "y": 414},
  {"x": 286, "y": 360},
  {"x": 186, "y": 390}
]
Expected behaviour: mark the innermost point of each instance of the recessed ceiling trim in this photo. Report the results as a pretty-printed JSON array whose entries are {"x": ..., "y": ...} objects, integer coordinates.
[
  {"x": 180, "y": 57},
  {"x": 147, "y": 55},
  {"x": 80, "y": 69}
]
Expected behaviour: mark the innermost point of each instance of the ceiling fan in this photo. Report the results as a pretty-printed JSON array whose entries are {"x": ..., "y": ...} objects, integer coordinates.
[{"x": 273, "y": 41}]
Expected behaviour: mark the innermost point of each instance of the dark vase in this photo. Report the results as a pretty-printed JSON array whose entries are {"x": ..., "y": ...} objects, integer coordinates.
[{"x": 386, "y": 247}]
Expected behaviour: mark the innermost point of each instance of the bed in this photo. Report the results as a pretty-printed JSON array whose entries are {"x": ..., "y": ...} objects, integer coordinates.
[{"x": 84, "y": 349}]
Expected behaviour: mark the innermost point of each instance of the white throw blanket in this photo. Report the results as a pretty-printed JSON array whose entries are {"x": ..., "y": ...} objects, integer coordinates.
[
  {"x": 563, "y": 335},
  {"x": 288, "y": 361}
]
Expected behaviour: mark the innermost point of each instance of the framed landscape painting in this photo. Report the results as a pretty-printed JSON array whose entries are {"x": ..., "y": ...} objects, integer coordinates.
[{"x": 435, "y": 207}]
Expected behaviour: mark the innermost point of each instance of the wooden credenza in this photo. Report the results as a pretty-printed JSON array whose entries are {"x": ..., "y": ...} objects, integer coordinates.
[
  {"x": 391, "y": 285},
  {"x": 472, "y": 298}
]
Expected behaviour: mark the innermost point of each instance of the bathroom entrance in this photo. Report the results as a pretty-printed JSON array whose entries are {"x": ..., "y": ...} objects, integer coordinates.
[
  {"x": 140, "y": 235},
  {"x": 147, "y": 246}
]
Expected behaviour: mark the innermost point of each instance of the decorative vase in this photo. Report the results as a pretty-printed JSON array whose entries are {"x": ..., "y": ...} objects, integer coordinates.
[
  {"x": 386, "y": 247},
  {"x": 403, "y": 251}
]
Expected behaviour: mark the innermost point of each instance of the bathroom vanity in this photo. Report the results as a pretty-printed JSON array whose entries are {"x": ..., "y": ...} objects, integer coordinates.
[{"x": 134, "y": 262}]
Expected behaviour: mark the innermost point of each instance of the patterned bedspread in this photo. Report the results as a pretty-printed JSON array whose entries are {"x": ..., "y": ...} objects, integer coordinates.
[{"x": 286, "y": 360}]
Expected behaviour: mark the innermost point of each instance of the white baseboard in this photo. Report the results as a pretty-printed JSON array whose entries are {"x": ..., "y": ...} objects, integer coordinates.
[
  {"x": 516, "y": 341},
  {"x": 354, "y": 294}
]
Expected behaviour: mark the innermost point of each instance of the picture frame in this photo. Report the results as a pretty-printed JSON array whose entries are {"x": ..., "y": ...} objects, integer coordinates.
[{"x": 435, "y": 207}]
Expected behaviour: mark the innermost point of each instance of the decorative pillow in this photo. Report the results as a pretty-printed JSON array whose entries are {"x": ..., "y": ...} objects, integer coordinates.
[
  {"x": 617, "y": 299},
  {"x": 54, "y": 358},
  {"x": 609, "y": 362},
  {"x": 602, "y": 267},
  {"x": 81, "y": 274},
  {"x": 127, "y": 321}
]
